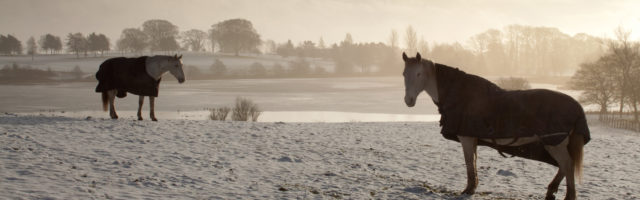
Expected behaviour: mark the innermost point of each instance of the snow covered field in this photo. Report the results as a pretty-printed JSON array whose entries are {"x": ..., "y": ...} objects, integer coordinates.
[{"x": 56, "y": 157}]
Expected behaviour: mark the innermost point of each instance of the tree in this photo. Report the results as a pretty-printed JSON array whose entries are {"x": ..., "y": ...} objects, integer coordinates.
[
  {"x": 307, "y": 49},
  {"x": 286, "y": 49},
  {"x": 77, "y": 72},
  {"x": 10, "y": 45},
  {"x": 411, "y": 40},
  {"x": 168, "y": 44},
  {"x": 235, "y": 35},
  {"x": 393, "y": 39},
  {"x": 76, "y": 43},
  {"x": 321, "y": 44},
  {"x": 257, "y": 69},
  {"x": 32, "y": 48},
  {"x": 623, "y": 56},
  {"x": 218, "y": 68},
  {"x": 597, "y": 81},
  {"x": 423, "y": 46},
  {"x": 98, "y": 43},
  {"x": 299, "y": 66},
  {"x": 270, "y": 47},
  {"x": 214, "y": 35},
  {"x": 132, "y": 40},
  {"x": 348, "y": 40},
  {"x": 278, "y": 69},
  {"x": 160, "y": 33},
  {"x": 194, "y": 39}
]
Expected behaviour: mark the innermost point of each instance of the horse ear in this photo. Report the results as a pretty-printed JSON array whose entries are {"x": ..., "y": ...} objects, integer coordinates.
[
  {"x": 418, "y": 56},
  {"x": 180, "y": 57},
  {"x": 404, "y": 57},
  {"x": 175, "y": 55}
]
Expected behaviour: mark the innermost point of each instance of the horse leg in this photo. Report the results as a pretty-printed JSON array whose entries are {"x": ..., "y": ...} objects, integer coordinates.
[
  {"x": 553, "y": 186},
  {"x": 140, "y": 102},
  {"x": 560, "y": 153},
  {"x": 151, "y": 108},
  {"x": 112, "y": 107},
  {"x": 469, "y": 147}
]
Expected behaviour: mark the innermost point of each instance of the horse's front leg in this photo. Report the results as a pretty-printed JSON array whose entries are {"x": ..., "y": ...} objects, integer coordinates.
[
  {"x": 140, "y": 102},
  {"x": 469, "y": 147},
  {"x": 152, "y": 104}
]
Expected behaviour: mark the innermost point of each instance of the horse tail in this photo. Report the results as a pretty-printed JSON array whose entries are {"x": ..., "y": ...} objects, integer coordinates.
[
  {"x": 105, "y": 98},
  {"x": 576, "y": 144}
]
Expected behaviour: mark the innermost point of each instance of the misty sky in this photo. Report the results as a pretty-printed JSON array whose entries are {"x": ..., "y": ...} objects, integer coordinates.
[{"x": 439, "y": 20}]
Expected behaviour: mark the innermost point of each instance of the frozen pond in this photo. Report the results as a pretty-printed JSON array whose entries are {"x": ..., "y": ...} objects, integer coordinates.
[
  {"x": 268, "y": 116},
  {"x": 290, "y": 100}
]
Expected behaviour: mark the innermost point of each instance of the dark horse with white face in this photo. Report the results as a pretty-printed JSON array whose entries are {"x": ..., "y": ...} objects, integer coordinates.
[
  {"x": 140, "y": 76},
  {"x": 536, "y": 124}
]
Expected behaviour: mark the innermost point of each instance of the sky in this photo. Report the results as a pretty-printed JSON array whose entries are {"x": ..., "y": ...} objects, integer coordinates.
[{"x": 298, "y": 20}]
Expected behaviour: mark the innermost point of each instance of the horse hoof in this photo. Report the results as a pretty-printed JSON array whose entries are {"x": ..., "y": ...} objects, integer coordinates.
[
  {"x": 154, "y": 119},
  {"x": 468, "y": 192},
  {"x": 114, "y": 117},
  {"x": 139, "y": 118},
  {"x": 550, "y": 197}
]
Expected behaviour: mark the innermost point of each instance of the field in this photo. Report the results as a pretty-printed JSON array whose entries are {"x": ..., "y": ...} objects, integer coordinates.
[{"x": 49, "y": 157}]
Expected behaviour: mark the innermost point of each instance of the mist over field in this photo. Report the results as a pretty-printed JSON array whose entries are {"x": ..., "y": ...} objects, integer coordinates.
[{"x": 297, "y": 99}]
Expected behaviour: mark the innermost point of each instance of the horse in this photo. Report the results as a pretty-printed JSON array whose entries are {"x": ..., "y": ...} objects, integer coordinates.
[
  {"x": 535, "y": 124},
  {"x": 140, "y": 76}
]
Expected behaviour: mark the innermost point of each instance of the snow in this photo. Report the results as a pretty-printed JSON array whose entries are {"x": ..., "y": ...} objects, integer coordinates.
[{"x": 58, "y": 157}]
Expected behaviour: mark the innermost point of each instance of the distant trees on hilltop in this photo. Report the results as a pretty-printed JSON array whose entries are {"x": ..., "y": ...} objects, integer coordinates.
[
  {"x": 50, "y": 43},
  {"x": 235, "y": 35},
  {"x": 10, "y": 45}
]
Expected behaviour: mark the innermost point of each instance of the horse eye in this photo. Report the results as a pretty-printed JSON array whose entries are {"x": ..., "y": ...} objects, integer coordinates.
[{"x": 418, "y": 74}]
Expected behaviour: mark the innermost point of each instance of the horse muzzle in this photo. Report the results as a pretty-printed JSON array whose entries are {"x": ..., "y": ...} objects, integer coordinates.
[
  {"x": 181, "y": 80},
  {"x": 410, "y": 101}
]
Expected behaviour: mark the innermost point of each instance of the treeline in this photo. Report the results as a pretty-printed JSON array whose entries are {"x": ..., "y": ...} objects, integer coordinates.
[
  {"x": 614, "y": 78},
  {"x": 15, "y": 73},
  {"x": 513, "y": 50}
]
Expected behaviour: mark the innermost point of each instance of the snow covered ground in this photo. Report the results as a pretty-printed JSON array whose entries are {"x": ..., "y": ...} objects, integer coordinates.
[{"x": 57, "y": 157}]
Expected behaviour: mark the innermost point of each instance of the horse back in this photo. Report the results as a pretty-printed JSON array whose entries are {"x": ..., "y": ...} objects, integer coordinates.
[{"x": 126, "y": 75}]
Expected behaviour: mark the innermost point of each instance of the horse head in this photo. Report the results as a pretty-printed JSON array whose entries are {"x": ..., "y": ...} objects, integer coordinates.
[
  {"x": 419, "y": 75},
  {"x": 175, "y": 67}
]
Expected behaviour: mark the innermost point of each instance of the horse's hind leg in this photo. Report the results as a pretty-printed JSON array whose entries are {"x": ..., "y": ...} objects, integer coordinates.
[
  {"x": 469, "y": 147},
  {"x": 152, "y": 104},
  {"x": 553, "y": 186},
  {"x": 560, "y": 153},
  {"x": 140, "y": 102},
  {"x": 112, "y": 107}
]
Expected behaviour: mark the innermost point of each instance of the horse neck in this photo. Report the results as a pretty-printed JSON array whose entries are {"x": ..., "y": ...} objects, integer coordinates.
[
  {"x": 431, "y": 84},
  {"x": 155, "y": 68}
]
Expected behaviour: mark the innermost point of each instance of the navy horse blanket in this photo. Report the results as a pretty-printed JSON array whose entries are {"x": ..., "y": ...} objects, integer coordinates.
[
  {"x": 473, "y": 106},
  {"x": 126, "y": 75}
]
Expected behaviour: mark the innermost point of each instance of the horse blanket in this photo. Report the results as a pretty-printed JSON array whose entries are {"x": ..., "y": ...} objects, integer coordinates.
[
  {"x": 126, "y": 75},
  {"x": 473, "y": 106}
]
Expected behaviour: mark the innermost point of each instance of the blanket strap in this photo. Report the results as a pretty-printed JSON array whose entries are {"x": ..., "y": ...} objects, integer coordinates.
[{"x": 510, "y": 143}]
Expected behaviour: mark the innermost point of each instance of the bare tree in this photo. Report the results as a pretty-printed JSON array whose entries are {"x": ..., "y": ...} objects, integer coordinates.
[
  {"x": 393, "y": 39},
  {"x": 624, "y": 54},
  {"x": 194, "y": 39},
  {"x": 597, "y": 81},
  {"x": 76, "y": 43},
  {"x": 32, "y": 47},
  {"x": 411, "y": 40},
  {"x": 423, "y": 46}
]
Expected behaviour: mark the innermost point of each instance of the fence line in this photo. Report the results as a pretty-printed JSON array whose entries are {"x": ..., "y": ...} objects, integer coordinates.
[{"x": 614, "y": 120}]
